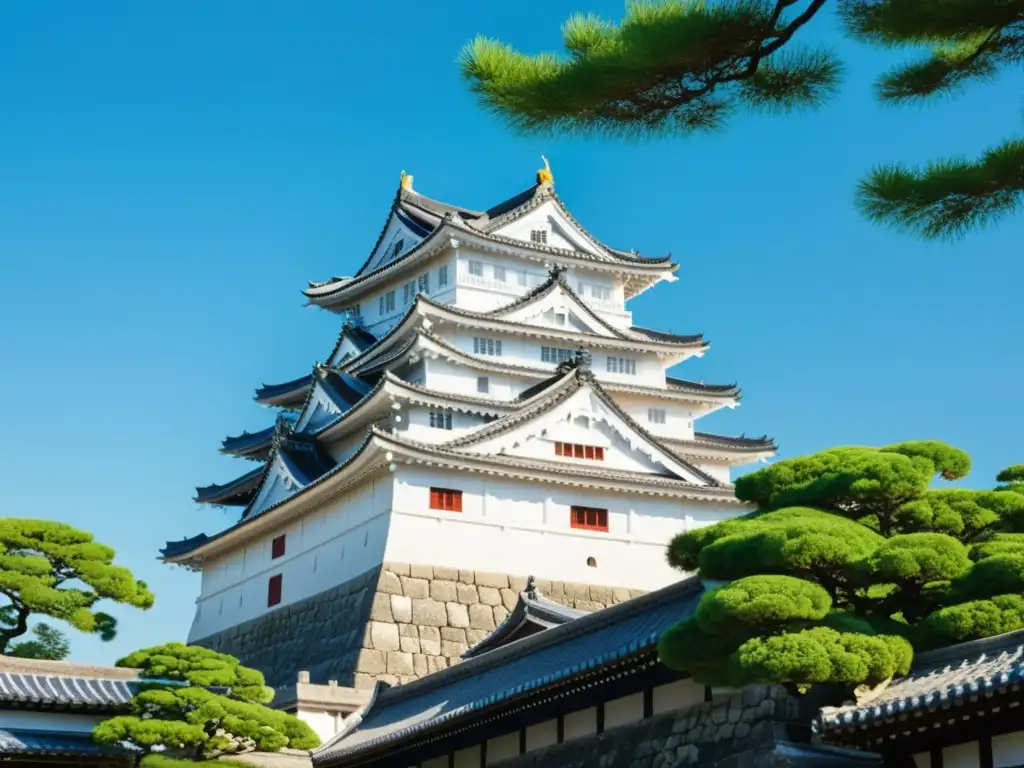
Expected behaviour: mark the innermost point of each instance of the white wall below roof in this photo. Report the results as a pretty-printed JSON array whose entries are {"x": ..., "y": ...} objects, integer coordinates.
[
  {"x": 518, "y": 527},
  {"x": 444, "y": 376},
  {"x": 323, "y": 549}
]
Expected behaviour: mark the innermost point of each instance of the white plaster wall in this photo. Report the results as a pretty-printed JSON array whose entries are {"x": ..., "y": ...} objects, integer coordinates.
[
  {"x": 468, "y": 758},
  {"x": 445, "y": 376},
  {"x": 628, "y": 709},
  {"x": 1008, "y": 750},
  {"x": 580, "y": 723},
  {"x": 524, "y": 528},
  {"x": 379, "y": 324},
  {"x": 341, "y": 450},
  {"x": 677, "y": 695},
  {"x": 325, "y": 724},
  {"x": 680, "y": 417},
  {"x": 961, "y": 756},
  {"x": 415, "y": 425},
  {"x": 501, "y": 748},
  {"x": 541, "y": 735},
  {"x": 323, "y": 549}
]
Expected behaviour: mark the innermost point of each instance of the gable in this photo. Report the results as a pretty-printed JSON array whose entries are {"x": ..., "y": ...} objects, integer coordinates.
[
  {"x": 320, "y": 409},
  {"x": 400, "y": 235},
  {"x": 278, "y": 485},
  {"x": 560, "y": 231},
  {"x": 585, "y": 419},
  {"x": 346, "y": 350},
  {"x": 557, "y": 309}
]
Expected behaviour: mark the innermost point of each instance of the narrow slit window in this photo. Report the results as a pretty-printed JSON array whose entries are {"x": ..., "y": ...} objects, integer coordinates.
[
  {"x": 274, "y": 590},
  {"x": 277, "y": 547}
]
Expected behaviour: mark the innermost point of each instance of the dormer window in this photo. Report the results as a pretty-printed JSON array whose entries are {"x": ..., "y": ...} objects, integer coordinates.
[{"x": 539, "y": 236}]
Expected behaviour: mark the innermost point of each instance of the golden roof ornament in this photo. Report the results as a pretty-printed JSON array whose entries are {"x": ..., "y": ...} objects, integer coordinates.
[
  {"x": 544, "y": 175},
  {"x": 406, "y": 181}
]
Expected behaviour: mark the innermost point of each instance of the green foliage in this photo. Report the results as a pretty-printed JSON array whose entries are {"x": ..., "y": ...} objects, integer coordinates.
[
  {"x": 49, "y": 568},
  {"x": 163, "y": 761},
  {"x": 1014, "y": 474},
  {"x": 837, "y": 591},
  {"x": 179, "y": 711},
  {"x": 688, "y": 65},
  {"x": 50, "y": 643}
]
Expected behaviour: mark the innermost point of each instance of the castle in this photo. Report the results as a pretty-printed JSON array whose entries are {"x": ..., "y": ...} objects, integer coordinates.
[{"x": 488, "y": 412}]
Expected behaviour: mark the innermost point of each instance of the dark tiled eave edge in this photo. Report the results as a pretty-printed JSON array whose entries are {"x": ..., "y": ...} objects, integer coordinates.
[
  {"x": 239, "y": 487},
  {"x": 36, "y": 743},
  {"x": 690, "y": 587},
  {"x": 537, "y": 610},
  {"x": 289, "y": 391},
  {"x": 58, "y": 692},
  {"x": 248, "y": 443},
  {"x": 938, "y": 680},
  {"x": 756, "y": 444}
]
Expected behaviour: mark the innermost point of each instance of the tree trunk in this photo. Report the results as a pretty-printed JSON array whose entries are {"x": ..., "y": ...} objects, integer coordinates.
[{"x": 20, "y": 628}]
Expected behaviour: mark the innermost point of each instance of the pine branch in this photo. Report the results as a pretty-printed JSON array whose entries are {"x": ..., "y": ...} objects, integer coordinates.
[{"x": 946, "y": 199}]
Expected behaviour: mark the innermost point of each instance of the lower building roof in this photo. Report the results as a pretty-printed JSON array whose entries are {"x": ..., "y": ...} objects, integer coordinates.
[
  {"x": 519, "y": 670},
  {"x": 31, "y": 743}
]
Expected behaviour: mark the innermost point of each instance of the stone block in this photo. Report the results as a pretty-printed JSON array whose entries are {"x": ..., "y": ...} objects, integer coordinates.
[
  {"x": 400, "y": 663},
  {"x": 418, "y": 589},
  {"x": 389, "y": 679},
  {"x": 752, "y": 695},
  {"x": 489, "y": 596},
  {"x": 467, "y": 594},
  {"x": 474, "y": 636},
  {"x": 389, "y": 583},
  {"x": 370, "y": 662},
  {"x": 467, "y": 577},
  {"x": 725, "y": 732},
  {"x": 401, "y": 608},
  {"x": 458, "y": 615},
  {"x": 453, "y": 634},
  {"x": 500, "y": 614},
  {"x": 409, "y": 644},
  {"x": 588, "y": 605},
  {"x": 399, "y": 569},
  {"x": 408, "y": 630},
  {"x": 481, "y": 617},
  {"x": 577, "y": 591},
  {"x": 498, "y": 580},
  {"x": 447, "y": 574},
  {"x": 741, "y": 730},
  {"x": 428, "y": 613},
  {"x": 620, "y": 595},
  {"x": 509, "y": 599},
  {"x": 421, "y": 571},
  {"x": 380, "y": 610},
  {"x": 367, "y": 639},
  {"x": 453, "y": 651},
  {"x": 364, "y": 681},
  {"x": 637, "y": 592},
  {"x": 436, "y": 663},
  {"x": 601, "y": 595},
  {"x": 443, "y": 591},
  {"x": 430, "y": 641},
  {"x": 719, "y": 714},
  {"x": 403, "y": 679},
  {"x": 384, "y": 636},
  {"x": 517, "y": 583},
  {"x": 419, "y": 664}
]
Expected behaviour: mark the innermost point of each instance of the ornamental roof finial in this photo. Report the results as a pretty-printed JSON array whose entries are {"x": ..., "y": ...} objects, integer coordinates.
[
  {"x": 531, "y": 588},
  {"x": 544, "y": 175},
  {"x": 407, "y": 181}
]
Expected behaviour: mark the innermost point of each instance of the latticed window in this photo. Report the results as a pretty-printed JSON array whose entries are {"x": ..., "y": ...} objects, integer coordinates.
[
  {"x": 389, "y": 301},
  {"x": 425, "y": 283},
  {"x": 277, "y": 547},
  {"x": 589, "y": 518},
  {"x": 442, "y": 276},
  {"x": 441, "y": 419},
  {"x": 476, "y": 268},
  {"x": 274, "y": 589},
  {"x": 499, "y": 274},
  {"x": 446, "y": 499},
  {"x": 578, "y": 451},
  {"x": 555, "y": 354},
  {"x": 656, "y": 415},
  {"x": 625, "y": 365},
  {"x": 539, "y": 235},
  {"x": 487, "y": 347}
]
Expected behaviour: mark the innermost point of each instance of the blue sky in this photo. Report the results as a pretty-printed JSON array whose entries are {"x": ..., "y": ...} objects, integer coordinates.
[{"x": 172, "y": 174}]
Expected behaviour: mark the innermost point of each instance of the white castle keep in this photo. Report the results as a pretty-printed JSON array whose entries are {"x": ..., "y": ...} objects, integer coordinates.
[{"x": 489, "y": 411}]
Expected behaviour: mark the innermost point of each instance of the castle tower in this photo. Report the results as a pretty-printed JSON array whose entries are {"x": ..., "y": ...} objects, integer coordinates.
[{"x": 489, "y": 411}]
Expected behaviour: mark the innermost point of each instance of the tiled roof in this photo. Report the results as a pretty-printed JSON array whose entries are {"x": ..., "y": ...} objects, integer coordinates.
[
  {"x": 28, "y": 743},
  {"x": 514, "y": 671},
  {"x": 257, "y": 445},
  {"x": 288, "y": 393},
  {"x": 361, "y": 338},
  {"x": 59, "y": 691},
  {"x": 939, "y": 680},
  {"x": 237, "y": 492}
]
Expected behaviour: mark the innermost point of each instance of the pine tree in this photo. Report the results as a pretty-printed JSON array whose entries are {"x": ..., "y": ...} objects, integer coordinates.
[
  {"x": 51, "y": 569},
  {"x": 49, "y": 643},
  {"x": 850, "y": 561},
  {"x": 200, "y": 705},
  {"x": 675, "y": 66}
]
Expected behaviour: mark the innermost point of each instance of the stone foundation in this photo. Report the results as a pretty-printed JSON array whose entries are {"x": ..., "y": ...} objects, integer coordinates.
[{"x": 394, "y": 623}]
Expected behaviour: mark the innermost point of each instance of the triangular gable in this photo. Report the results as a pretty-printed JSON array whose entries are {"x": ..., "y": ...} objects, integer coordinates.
[
  {"x": 400, "y": 234},
  {"x": 559, "y": 231},
  {"x": 333, "y": 393},
  {"x": 578, "y": 413},
  {"x": 278, "y": 484},
  {"x": 556, "y": 307}
]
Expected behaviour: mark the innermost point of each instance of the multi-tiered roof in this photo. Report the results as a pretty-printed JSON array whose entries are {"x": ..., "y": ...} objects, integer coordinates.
[{"x": 342, "y": 422}]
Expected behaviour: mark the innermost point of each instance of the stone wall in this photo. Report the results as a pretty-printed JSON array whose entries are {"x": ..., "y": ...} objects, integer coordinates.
[
  {"x": 395, "y": 623},
  {"x": 750, "y": 729}
]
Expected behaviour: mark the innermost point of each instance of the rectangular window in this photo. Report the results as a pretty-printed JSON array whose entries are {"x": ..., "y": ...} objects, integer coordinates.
[
  {"x": 656, "y": 415},
  {"x": 442, "y": 276},
  {"x": 381, "y": 305},
  {"x": 441, "y": 419},
  {"x": 483, "y": 384},
  {"x": 354, "y": 311},
  {"x": 499, "y": 274},
  {"x": 555, "y": 354},
  {"x": 575, "y": 451},
  {"x": 601, "y": 292},
  {"x": 476, "y": 268},
  {"x": 408, "y": 291},
  {"x": 625, "y": 365},
  {"x": 538, "y": 235},
  {"x": 389, "y": 301},
  {"x": 446, "y": 499},
  {"x": 274, "y": 590},
  {"x": 490, "y": 347},
  {"x": 424, "y": 285},
  {"x": 522, "y": 277},
  {"x": 277, "y": 547},
  {"x": 589, "y": 518}
]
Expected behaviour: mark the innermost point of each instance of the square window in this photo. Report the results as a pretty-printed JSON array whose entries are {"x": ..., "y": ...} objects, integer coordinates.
[
  {"x": 389, "y": 301},
  {"x": 522, "y": 277},
  {"x": 483, "y": 384},
  {"x": 274, "y": 590},
  {"x": 277, "y": 547},
  {"x": 441, "y": 419},
  {"x": 446, "y": 499},
  {"x": 476, "y": 268},
  {"x": 656, "y": 415},
  {"x": 539, "y": 235},
  {"x": 499, "y": 274}
]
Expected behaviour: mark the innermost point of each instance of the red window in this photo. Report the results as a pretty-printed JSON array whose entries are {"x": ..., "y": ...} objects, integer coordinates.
[
  {"x": 446, "y": 499},
  {"x": 589, "y": 518},
  {"x": 277, "y": 547},
  {"x": 574, "y": 451},
  {"x": 274, "y": 590}
]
